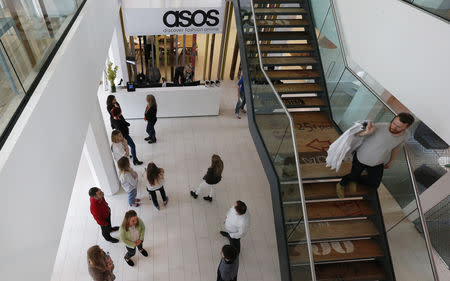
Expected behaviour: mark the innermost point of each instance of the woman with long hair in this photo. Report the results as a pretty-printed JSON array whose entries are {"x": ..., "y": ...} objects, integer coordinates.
[
  {"x": 119, "y": 146},
  {"x": 111, "y": 102},
  {"x": 211, "y": 179},
  {"x": 155, "y": 182},
  {"x": 129, "y": 180},
  {"x": 132, "y": 234},
  {"x": 150, "y": 117},
  {"x": 100, "y": 265}
]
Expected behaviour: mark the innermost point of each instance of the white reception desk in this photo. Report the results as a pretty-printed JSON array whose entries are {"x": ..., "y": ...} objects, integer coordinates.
[{"x": 172, "y": 101}]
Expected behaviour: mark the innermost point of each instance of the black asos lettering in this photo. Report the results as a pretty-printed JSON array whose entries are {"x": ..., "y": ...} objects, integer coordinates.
[
  {"x": 175, "y": 16},
  {"x": 185, "y": 21},
  {"x": 212, "y": 19}
]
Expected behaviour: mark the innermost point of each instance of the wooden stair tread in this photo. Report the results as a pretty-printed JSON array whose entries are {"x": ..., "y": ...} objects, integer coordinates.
[
  {"x": 282, "y": 48},
  {"x": 329, "y": 210},
  {"x": 287, "y": 74},
  {"x": 320, "y": 190},
  {"x": 284, "y": 35},
  {"x": 350, "y": 271},
  {"x": 285, "y": 60},
  {"x": 326, "y": 252},
  {"x": 298, "y": 88},
  {"x": 279, "y": 11},
  {"x": 281, "y": 23},
  {"x": 303, "y": 102},
  {"x": 335, "y": 230},
  {"x": 275, "y": 1},
  {"x": 314, "y": 132}
]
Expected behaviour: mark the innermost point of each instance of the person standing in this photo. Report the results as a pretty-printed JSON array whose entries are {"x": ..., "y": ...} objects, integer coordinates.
[
  {"x": 119, "y": 124},
  {"x": 241, "y": 98},
  {"x": 211, "y": 179},
  {"x": 155, "y": 182},
  {"x": 100, "y": 265},
  {"x": 132, "y": 234},
  {"x": 102, "y": 213},
  {"x": 119, "y": 146},
  {"x": 237, "y": 224},
  {"x": 378, "y": 150},
  {"x": 111, "y": 102},
  {"x": 229, "y": 264},
  {"x": 129, "y": 181},
  {"x": 150, "y": 117}
]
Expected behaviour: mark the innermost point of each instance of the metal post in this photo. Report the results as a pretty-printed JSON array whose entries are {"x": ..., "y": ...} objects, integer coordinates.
[
  {"x": 230, "y": 15},
  {"x": 205, "y": 57},
  {"x": 184, "y": 49},
  {"x": 222, "y": 41},
  {"x": 165, "y": 57}
]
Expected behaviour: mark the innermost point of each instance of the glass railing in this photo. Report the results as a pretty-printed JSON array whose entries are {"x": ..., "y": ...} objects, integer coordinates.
[
  {"x": 30, "y": 33},
  {"x": 438, "y": 222},
  {"x": 440, "y": 8},
  {"x": 351, "y": 99},
  {"x": 275, "y": 127}
]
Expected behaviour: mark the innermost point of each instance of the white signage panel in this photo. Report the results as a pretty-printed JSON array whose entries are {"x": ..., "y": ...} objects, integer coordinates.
[{"x": 155, "y": 21}]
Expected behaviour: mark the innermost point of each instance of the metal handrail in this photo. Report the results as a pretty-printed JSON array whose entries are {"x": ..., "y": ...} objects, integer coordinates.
[
  {"x": 408, "y": 160},
  {"x": 294, "y": 140}
]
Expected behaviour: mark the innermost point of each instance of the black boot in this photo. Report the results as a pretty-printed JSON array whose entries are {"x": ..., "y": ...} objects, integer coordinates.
[{"x": 137, "y": 162}]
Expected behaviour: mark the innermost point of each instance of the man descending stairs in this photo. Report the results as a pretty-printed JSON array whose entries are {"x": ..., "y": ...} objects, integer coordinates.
[{"x": 348, "y": 236}]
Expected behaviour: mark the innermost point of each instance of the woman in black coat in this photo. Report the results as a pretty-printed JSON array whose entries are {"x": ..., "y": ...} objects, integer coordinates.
[{"x": 150, "y": 117}]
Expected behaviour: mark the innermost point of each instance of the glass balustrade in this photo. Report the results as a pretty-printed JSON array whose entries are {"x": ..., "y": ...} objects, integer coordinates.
[
  {"x": 440, "y": 8},
  {"x": 272, "y": 122},
  {"x": 352, "y": 100},
  {"x": 30, "y": 32}
]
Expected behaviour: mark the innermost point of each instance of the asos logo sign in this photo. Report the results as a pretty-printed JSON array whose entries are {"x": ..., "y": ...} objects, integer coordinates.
[{"x": 187, "y": 18}]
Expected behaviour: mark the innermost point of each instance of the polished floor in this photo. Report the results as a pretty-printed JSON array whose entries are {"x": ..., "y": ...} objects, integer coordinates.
[{"x": 183, "y": 238}]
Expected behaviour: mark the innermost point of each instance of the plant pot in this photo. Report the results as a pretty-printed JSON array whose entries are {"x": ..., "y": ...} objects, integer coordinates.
[{"x": 113, "y": 88}]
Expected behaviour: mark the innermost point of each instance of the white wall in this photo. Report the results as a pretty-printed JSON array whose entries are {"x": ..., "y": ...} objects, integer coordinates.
[
  {"x": 39, "y": 160},
  {"x": 404, "y": 49}
]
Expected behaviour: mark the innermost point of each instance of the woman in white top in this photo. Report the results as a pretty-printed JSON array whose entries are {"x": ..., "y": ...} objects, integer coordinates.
[
  {"x": 129, "y": 180},
  {"x": 155, "y": 181},
  {"x": 119, "y": 145}
]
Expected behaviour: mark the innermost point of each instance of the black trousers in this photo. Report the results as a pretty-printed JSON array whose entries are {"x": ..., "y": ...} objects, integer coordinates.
[
  {"x": 219, "y": 278},
  {"x": 236, "y": 243},
  {"x": 374, "y": 174},
  {"x": 153, "y": 195},
  {"x": 107, "y": 229},
  {"x": 132, "y": 251}
]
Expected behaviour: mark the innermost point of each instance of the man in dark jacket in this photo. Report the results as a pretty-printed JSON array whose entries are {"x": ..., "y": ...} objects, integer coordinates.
[
  {"x": 102, "y": 213},
  {"x": 229, "y": 264},
  {"x": 120, "y": 124}
]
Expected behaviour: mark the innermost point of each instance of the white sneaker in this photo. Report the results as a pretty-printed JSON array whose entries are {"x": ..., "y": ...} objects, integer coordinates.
[{"x": 238, "y": 117}]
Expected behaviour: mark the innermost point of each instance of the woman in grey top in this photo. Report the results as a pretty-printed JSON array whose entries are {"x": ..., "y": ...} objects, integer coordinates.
[{"x": 100, "y": 265}]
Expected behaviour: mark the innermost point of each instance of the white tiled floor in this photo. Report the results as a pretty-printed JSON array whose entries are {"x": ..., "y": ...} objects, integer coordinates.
[{"x": 183, "y": 238}]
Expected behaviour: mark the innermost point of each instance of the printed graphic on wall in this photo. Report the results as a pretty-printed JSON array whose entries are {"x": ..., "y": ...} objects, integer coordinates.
[{"x": 153, "y": 21}]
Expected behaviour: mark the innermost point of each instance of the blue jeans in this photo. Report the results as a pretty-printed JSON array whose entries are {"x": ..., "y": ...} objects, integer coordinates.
[
  {"x": 151, "y": 130},
  {"x": 239, "y": 104},
  {"x": 132, "y": 146},
  {"x": 132, "y": 197}
]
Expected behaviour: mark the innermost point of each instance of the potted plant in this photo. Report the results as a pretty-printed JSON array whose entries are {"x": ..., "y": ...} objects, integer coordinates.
[{"x": 112, "y": 73}]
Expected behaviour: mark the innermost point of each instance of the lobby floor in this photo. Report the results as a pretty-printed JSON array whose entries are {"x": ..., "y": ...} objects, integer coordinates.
[{"x": 183, "y": 238}]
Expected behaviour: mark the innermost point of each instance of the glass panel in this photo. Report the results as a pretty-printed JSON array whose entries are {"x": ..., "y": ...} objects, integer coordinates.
[
  {"x": 438, "y": 223},
  {"x": 29, "y": 31},
  {"x": 329, "y": 46},
  {"x": 11, "y": 93},
  {"x": 440, "y": 8},
  {"x": 274, "y": 127},
  {"x": 32, "y": 30}
]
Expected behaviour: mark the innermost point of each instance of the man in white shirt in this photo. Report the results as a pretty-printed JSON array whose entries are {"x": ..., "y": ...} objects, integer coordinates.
[
  {"x": 377, "y": 152},
  {"x": 236, "y": 224}
]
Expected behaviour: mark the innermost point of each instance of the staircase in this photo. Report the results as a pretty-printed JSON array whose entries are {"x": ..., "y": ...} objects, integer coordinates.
[{"x": 347, "y": 234}]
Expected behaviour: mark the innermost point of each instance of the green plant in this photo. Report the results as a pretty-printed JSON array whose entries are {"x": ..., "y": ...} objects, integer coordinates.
[{"x": 111, "y": 73}]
